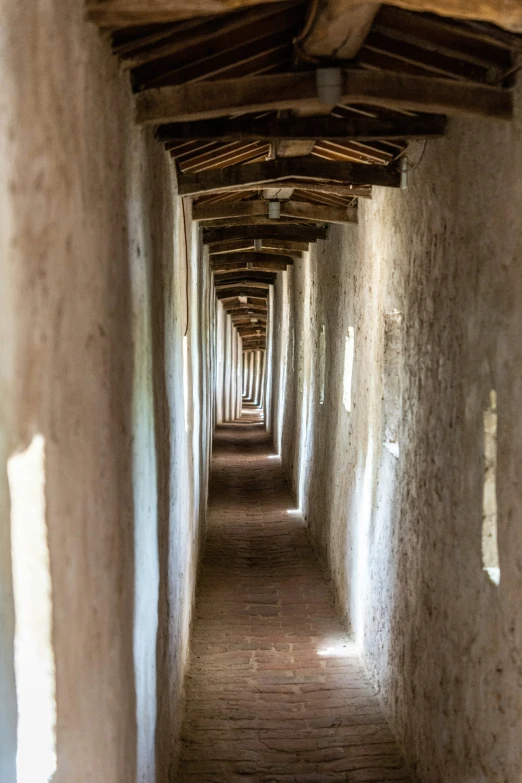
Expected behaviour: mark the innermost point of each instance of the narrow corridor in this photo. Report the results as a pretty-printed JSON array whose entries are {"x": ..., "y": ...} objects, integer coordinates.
[{"x": 274, "y": 691}]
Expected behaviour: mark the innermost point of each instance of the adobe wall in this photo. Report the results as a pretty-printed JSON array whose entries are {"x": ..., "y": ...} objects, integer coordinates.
[
  {"x": 91, "y": 350},
  {"x": 402, "y": 535}
]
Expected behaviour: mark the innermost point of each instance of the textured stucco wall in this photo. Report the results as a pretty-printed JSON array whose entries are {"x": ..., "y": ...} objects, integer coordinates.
[
  {"x": 92, "y": 303},
  {"x": 403, "y": 536},
  {"x": 442, "y": 641}
]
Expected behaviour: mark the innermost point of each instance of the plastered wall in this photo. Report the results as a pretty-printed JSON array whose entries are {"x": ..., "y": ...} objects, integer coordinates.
[
  {"x": 96, "y": 297},
  {"x": 402, "y": 534}
]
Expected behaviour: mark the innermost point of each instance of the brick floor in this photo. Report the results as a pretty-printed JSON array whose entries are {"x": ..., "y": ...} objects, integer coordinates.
[{"x": 274, "y": 692}]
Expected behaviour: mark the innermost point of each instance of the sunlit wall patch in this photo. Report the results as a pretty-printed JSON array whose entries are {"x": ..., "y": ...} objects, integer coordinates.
[
  {"x": 34, "y": 653},
  {"x": 392, "y": 386},
  {"x": 490, "y": 555},
  {"x": 322, "y": 364},
  {"x": 349, "y": 355}
]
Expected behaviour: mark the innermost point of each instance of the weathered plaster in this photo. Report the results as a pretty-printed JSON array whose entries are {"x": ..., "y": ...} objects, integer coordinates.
[
  {"x": 402, "y": 536},
  {"x": 93, "y": 307}
]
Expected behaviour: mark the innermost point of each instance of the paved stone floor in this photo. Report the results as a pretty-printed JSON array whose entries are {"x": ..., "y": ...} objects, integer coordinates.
[{"x": 274, "y": 692}]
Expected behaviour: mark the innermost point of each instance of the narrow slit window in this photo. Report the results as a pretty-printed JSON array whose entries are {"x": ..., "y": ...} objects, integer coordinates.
[
  {"x": 392, "y": 381},
  {"x": 349, "y": 353},
  {"x": 490, "y": 557},
  {"x": 34, "y": 654},
  {"x": 322, "y": 364},
  {"x": 186, "y": 401}
]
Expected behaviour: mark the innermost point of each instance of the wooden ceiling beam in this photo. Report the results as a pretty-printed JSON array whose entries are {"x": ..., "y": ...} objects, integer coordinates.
[
  {"x": 306, "y": 129},
  {"x": 124, "y": 13},
  {"x": 275, "y": 246},
  {"x": 245, "y": 268},
  {"x": 298, "y": 91},
  {"x": 253, "y": 312},
  {"x": 307, "y": 167},
  {"x": 236, "y": 259},
  {"x": 291, "y": 209},
  {"x": 252, "y": 220},
  {"x": 247, "y": 319},
  {"x": 259, "y": 315},
  {"x": 249, "y": 276},
  {"x": 238, "y": 290},
  {"x": 253, "y": 280},
  {"x": 255, "y": 332},
  {"x": 308, "y": 233}
]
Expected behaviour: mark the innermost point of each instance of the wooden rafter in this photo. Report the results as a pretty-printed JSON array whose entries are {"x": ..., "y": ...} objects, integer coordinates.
[
  {"x": 290, "y": 209},
  {"x": 306, "y": 128},
  {"x": 287, "y": 168},
  {"x": 204, "y": 100}
]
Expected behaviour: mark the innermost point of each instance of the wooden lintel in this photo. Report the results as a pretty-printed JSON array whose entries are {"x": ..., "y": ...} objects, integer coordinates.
[
  {"x": 299, "y": 233},
  {"x": 306, "y": 168},
  {"x": 297, "y": 90},
  {"x": 294, "y": 209},
  {"x": 307, "y": 128}
]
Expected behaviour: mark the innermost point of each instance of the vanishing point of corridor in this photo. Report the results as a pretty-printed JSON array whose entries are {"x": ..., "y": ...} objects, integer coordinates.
[{"x": 274, "y": 690}]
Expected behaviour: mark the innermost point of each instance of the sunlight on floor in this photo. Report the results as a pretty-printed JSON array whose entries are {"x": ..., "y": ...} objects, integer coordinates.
[{"x": 344, "y": 650}]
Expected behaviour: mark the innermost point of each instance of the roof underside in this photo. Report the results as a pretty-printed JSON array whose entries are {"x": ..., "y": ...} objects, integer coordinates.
[{"x": 233, "y": 100}]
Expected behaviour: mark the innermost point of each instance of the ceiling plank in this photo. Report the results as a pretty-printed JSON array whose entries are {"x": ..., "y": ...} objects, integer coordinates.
[
  {"x": 306, "y": 128},
  {"x": 308, "y": 233},
  {"x": 295, "y": 209},
  {"x": 123, "y": 13},
  {"x": 204, "y": 100},
  {"x": 307, "y": 167}
]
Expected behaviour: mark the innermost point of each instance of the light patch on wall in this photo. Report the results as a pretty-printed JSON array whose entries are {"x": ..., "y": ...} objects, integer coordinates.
[
  {"x": 392, "y": 380},
  {"x": 349, "y": 351},
  {"x": 34, "y": 654},
  {"x": 186, "y": 400},
  {"x": 322, "y": 364},
  {"x": 490, "y": 557}
]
